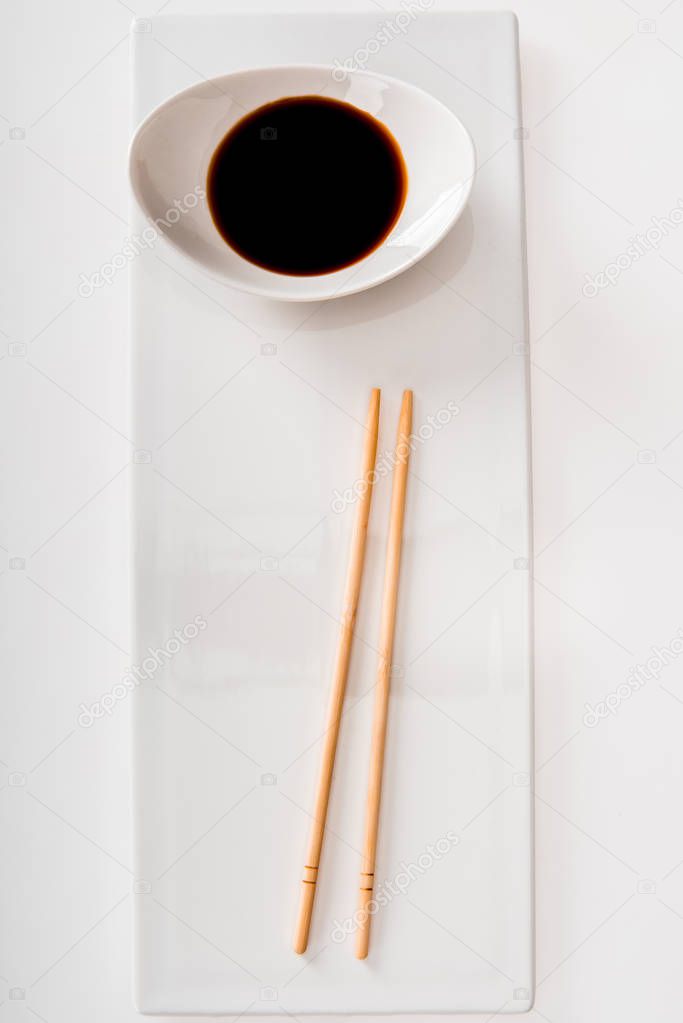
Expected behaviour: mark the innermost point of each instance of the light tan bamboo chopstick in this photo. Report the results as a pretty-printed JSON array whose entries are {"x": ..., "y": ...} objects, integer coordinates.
[
  {"x": 386, "y": 646},
  {"x": 341, "y": 669}
]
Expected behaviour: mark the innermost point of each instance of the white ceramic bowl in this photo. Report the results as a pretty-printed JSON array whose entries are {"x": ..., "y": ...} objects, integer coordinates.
[{"x": 172, "y": 148}]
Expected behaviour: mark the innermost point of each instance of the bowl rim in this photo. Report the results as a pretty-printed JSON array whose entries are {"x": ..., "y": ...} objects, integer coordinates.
[{"x": 342, "y": 291}]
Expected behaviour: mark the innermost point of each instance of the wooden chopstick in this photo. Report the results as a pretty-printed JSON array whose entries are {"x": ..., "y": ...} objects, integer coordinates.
[
  {"x": 341, "y": 669},
  {"x": 386, "y": 645}
]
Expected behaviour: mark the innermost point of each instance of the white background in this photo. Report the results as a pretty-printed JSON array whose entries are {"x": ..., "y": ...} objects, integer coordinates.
[{"x": 601, "y": 87}]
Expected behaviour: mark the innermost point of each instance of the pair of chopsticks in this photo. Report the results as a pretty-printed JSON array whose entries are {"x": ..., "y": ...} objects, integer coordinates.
[{"x": 341, "y": 668}]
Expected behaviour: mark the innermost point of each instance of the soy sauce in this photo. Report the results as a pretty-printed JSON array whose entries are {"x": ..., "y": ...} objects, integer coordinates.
[{"x": 306, "y": 185}]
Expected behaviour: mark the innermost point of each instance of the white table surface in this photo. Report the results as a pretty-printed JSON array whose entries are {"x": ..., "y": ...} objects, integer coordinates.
[{"x": 602, "y": 83}]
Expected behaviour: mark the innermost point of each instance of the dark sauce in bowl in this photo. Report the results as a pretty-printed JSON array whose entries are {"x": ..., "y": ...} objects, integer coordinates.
[{"x": 306, "y": 185}]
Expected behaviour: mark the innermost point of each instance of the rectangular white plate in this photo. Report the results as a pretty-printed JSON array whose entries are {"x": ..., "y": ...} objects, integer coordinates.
[{"x": 248, "y": 419}]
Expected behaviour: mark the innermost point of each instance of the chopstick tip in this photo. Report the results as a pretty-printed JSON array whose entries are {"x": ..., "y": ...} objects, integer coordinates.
[
  {"x": 373, "y": 411},
  {"x": 406, "y": 417}
]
